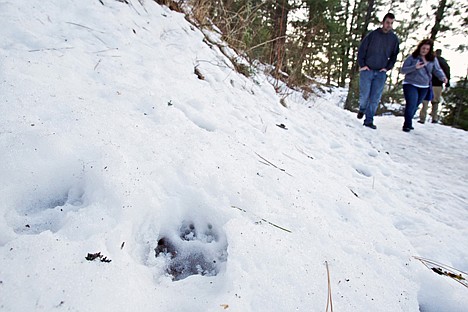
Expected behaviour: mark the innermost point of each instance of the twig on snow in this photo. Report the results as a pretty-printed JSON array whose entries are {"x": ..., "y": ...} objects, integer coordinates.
[
  {"x": 446, "y": 270},
  {"x": 262, "y": 162},
  {"x": 329, "y": 297},
  {"x": 97, "y": 64},
  {"x": 270, "y": 223},
  {"x": 106, "y": 50},
  {"x": 79, "y": 25},
  {"x": 301, "y": 151},
  {"x": 102, "y": 41},
  {"x": 271, "y": 164},
  {"x": 354, "y": 193},
  {"x": 51, "y": 49}
]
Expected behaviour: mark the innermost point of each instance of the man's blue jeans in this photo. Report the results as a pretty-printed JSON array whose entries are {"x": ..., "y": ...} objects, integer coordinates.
[
  {"x": 413, "y": 96},
  {"x": 371, "y": 85}
]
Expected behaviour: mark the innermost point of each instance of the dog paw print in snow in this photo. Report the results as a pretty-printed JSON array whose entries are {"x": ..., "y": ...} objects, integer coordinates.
[{"x": 197, "y": 249}]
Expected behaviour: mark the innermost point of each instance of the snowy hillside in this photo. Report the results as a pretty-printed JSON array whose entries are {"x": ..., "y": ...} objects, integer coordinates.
[{"x": 205, "y": 195}]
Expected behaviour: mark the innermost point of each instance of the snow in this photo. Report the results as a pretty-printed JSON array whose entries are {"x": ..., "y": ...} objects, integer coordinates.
[{"x": 109, "y": 142}]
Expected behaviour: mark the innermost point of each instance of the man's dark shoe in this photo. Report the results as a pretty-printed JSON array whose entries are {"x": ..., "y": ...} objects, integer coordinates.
[
  {"x": 406, "y": 129},
  {"x": 434, "y": 121},
  {"x": 421, "y": 121},
  {"x": 360, "y": 115},
  {"x": 411, "y": 128},
  {"x": 370, "y": 125}
]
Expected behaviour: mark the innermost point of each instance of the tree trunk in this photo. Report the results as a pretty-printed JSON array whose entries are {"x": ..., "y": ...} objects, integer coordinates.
[
  {"x": 370, "y": 9},
  {"x": 304, "y": 45},
  {"x": 438, "y": 18},
  {"x": 345, "y": 46},
  {"x": 352, "y": 100},
  {"x": 280, "y": 21}
]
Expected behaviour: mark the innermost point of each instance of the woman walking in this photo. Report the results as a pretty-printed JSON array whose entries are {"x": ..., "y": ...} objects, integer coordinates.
[{"x": 418, "y": 69}]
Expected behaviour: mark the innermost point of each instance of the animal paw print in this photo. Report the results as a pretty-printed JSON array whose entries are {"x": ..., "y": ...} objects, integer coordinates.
[{"x": 195, "y": 250}]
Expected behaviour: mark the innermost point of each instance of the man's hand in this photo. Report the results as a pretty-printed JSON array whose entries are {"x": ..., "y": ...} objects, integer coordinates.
[
  {"x": 364, "y": 68},
  {"x": 383, "y": 70}
]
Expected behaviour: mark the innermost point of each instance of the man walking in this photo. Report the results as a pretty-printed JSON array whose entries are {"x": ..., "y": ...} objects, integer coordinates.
[
  {"x": 437, "y": 89},
  {"x": 377, "y": 54}
]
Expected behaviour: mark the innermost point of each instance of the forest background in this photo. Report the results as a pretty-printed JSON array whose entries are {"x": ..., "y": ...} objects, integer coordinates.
[{"x": 306, "y": 40}]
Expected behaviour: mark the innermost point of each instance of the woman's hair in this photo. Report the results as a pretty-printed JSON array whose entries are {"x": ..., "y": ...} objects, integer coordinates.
[{"x": 430, "y": 56}]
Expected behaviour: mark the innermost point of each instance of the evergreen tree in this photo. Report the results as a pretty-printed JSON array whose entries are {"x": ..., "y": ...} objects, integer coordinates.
[{"x": 455, "y": 112}]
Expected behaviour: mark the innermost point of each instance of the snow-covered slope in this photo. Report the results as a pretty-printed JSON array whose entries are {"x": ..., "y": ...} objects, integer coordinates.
[{"x": 109, "y": 143}]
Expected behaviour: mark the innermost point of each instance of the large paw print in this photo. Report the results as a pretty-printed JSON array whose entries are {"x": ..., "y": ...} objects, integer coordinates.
[{"x": 195, "y": 250}]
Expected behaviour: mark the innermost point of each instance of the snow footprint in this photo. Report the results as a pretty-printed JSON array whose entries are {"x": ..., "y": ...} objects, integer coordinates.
[
  {"x": 195, "y": 249},
  {"x": 196, "y": 113},
  {"x": 47, "y": 212}
]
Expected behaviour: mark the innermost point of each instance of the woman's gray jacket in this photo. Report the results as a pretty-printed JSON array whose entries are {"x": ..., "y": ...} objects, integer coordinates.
[{"x": 422, "y": 76}]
